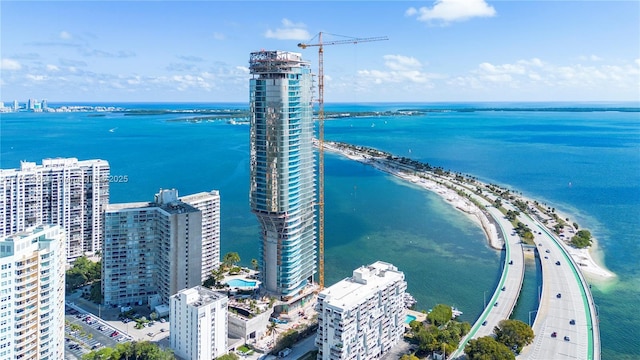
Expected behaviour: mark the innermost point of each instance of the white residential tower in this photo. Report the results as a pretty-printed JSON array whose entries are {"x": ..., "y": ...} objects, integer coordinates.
[
  {"x": 32, "y": 269},
  {"x": 362, "y": 317}
]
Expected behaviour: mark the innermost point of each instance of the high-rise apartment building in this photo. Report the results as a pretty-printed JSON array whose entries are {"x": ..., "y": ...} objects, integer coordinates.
[
  {"x": 64, "y": 191},
  {"x": 282, "y": 183},
  {"x": 362, "y": 317},
  {"x": 32, "y": 267},
  {"x": 209, "y": 204},
  {"x": 159, "y": 248},
  {"x": 198, "y": 323}
]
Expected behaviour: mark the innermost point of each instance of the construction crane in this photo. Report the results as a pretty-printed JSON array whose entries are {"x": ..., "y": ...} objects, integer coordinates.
[{"x": 321, "y": 46}]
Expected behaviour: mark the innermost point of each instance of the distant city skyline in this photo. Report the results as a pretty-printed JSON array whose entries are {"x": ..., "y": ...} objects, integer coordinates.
[{"x": 447, "y": 50}]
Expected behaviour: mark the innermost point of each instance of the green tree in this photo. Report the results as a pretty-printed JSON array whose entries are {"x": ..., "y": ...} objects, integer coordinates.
[
  {"x": 581, "y": 239},
  {"x": 230, "y": 259},
  {"x": 497, "y": 203},
  {"x": 440, "y": 315},
  {"x": 96, "y": 292},
  {"x": 254, "y": 264},
  {"x": 409, "y": 357},
  {"x": 487, "y": 348},
  {"x": 575, "y": 225},
  {"x": 84, "y": 271},
  {"x": 514, "y": 334},
  {"x": 143, "y": 350}
]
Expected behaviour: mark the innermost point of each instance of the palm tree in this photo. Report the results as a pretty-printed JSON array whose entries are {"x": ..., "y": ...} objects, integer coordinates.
[
  {"x": 254, "y": 264},
  {"x": 272, "y": 329},
  {"x": 231, "y": 259}
]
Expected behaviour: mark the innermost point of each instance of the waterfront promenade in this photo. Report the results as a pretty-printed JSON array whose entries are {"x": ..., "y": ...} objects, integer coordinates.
[{"x": 566, "y": 323}]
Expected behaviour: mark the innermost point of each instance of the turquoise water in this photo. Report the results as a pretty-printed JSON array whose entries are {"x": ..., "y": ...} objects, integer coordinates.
[
  {"x": 241, "y": 283},
  {"x": 409, "y": 319},
  {"x": 372, "y": 216}
]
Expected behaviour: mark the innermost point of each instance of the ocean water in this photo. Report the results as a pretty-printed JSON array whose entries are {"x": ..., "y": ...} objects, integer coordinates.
[{"x": 584, "y": 163}]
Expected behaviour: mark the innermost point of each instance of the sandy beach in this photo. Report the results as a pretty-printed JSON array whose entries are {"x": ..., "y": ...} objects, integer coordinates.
[{"x": 442, "y": 185}]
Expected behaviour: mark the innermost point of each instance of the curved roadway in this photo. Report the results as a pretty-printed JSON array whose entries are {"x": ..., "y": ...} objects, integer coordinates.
[
  {"x": 505, "y": 297},
  {"x": 566, "y": 326}
]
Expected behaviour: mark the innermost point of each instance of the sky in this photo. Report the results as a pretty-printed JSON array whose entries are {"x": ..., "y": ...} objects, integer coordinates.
[{"x": 437, "y": 51}]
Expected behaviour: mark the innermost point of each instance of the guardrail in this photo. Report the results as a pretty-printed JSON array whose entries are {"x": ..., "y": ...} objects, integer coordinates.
[{"x": 593, "y": 332}]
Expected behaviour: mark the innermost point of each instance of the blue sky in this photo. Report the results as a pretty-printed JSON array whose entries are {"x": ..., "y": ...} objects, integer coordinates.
[{"x": 444, "y": 50}]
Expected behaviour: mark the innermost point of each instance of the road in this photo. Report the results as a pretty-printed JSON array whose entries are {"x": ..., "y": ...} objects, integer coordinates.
[
  {"x": 505, "y": 296},
  {"x": 565, "y": 297}
]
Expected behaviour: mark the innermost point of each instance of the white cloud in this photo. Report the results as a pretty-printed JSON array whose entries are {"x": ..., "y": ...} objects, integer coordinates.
[
  {"x": 590, "y": 58},
  {"x": 10, "y": 64},
  {"x": 218, "y": 36},
  {"x": 289, "y": 31},
  {"x": 65, "y": 35},
  {"x": 452, "y": 10},
  {"x": 399, "y": 69},
  {"x": 243, "y": 69},
  {"x": 52, "y": 68},
  {"x": 400, "y": 62},
  {"x": 542, "y": 78},
  {"x": 33, "y": 77}
]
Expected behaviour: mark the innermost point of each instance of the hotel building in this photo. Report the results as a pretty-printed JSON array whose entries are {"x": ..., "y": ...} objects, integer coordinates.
[
  {"x": 362, "y": 317},
  {"x": 282, "y": 177},
  {"x": 32, "y": 269},
  {"x": 153, "y": 250},
  {"x": 66, "y": 192},
  {"x": 198, "y": 324}
]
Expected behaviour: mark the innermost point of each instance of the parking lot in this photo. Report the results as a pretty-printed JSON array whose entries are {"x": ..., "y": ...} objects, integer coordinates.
[{"x": 84, "y": 333}]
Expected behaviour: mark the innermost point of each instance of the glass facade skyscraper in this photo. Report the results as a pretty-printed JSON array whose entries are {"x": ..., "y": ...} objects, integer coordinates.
[{"x": 282, "y": 184}]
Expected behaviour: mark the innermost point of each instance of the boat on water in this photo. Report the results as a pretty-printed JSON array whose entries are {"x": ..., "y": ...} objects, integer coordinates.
[
  {"x": 409, "y": 300},
  {"x": 455, "y": 312}
]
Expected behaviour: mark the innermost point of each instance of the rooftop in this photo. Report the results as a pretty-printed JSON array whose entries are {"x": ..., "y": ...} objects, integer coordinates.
[{"x": 366, "y": 281}]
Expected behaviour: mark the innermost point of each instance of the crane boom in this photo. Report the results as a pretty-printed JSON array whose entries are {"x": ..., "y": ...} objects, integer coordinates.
[
  {"x": 346, "y": 41},
  {"x": 320, "y": 46}
]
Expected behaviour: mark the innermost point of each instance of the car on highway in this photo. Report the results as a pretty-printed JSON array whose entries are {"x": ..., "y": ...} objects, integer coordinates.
[
  {"x": 495, "y": 304},
  {"x": 554, "y": 334},
  {"x": 504, "y": 288},
  {"x": 566, "y": 338},
  {"x": 484, "y": 323},
  {"x": 557, "y": 262},
  {"x": 547, "y": 251},
  {"x": 572, "y": 322},
  {"x": 559, "y": 295}
]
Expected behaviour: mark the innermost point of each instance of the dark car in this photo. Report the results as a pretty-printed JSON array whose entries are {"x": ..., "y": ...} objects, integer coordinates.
[
  {"x": 496, "y": 304},
  {"x": 554, "y": 334},
  {"x": 572, "y": 322},
  {"x": 559, "y": 295},
  {"x": 547, "y": 251},
  {"x": 504, "y": 288},
  {"x": 557, "y": 262},
  {"x": 484, "y": 323},
  {"x": 566, "y": 338}
]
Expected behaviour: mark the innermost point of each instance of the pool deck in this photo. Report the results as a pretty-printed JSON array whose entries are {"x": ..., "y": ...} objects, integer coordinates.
[{"x": 418, "y": 315}]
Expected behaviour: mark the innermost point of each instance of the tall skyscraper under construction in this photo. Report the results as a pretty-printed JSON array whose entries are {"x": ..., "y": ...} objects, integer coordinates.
[{"x": 282, "y": 184}]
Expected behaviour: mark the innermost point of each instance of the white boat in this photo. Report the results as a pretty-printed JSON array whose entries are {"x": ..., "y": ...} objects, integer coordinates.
[{"x": 455, "y": 312}]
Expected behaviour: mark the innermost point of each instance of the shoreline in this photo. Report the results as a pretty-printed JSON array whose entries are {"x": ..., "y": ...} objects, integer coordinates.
[{"x": 588, "y": 259}]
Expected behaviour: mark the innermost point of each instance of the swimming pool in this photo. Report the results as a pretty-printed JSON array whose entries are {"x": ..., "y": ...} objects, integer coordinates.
[
  {"x": 409, "y": 319},
  {"x": 241, "y": 283}
]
